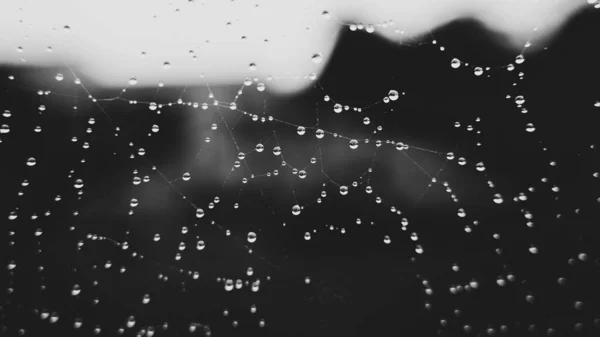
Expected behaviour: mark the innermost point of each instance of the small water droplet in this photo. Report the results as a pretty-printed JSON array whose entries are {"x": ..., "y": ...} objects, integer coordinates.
[{"x": 317, "y": 58}]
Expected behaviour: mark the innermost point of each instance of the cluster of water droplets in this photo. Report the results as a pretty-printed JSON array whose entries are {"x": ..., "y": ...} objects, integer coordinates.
[{"x": 208, "y": 214}]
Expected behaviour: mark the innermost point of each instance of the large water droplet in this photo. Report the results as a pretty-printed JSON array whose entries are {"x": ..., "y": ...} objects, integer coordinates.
[
  {"x": 343, "y": 190},
  {"x": 455, "y": 63}
]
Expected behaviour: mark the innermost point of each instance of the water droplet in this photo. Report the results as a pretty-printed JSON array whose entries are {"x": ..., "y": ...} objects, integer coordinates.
[
  {"x": 519, "y": 59},
  {"x": 393, "y": 95},
  {"x": 317, "y": 58},
  {"x": 130, "y": 321},
  {"x": 530, "y": 127},
  {"x": 337, "y": 108},
  {"x": 251, "y": 237},
  {"x": 296, "y": 210},
  {"x": 277, "y": 150},
  {"x": 76, "y": 290},
  {"x": 301, "y": 130},
  {"x": 54, "y": 317},
  {"x": 455, "y": 63},
  {"x": 78, "y": 183},
  {"x": 353, "y": 144},
  {"x": 343, "y": 190}
]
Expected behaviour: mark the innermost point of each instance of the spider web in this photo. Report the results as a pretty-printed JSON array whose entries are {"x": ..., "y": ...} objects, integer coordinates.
[{"x": 120, "y": 227}]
